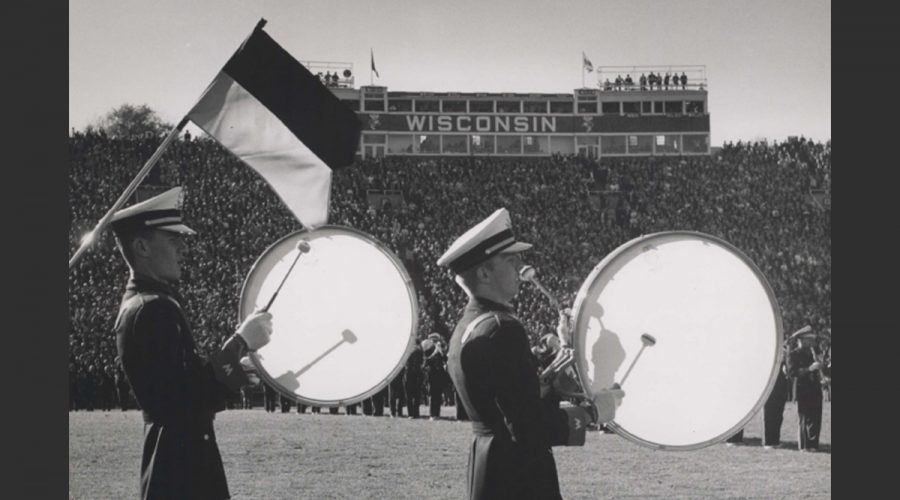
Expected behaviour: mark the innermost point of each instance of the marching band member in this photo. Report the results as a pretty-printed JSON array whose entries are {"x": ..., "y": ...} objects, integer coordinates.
[
  {"x": 178, "y": 391},
  {"x": 806, "y": 374},
  {"x": 435, "y": 373},
  {"x": 495, "y": 373}
]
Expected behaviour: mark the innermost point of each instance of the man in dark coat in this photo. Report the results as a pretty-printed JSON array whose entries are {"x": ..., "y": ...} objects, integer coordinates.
[
  {"x": 178, "y": 391},
  {"x": 413, "y": 382},
  {"x": 805, "y": 372},
  {"x": 435, "y": 374},
  {"x": 491, "y": 364}
]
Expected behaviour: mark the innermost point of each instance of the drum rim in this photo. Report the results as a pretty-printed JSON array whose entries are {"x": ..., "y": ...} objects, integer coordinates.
[
  {"x": 776, "y": 366},
  {"x": 410, "y": 345}
]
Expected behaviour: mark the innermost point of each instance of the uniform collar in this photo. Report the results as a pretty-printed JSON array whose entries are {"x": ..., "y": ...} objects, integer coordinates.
[
  {"x": 484, "y": 304},
  {"x": 143, "y": 283}
]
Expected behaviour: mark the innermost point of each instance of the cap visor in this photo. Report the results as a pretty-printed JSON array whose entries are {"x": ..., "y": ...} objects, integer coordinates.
[
  {"x": 516, "y": 247},
  {"x": 178, "y": 228}
]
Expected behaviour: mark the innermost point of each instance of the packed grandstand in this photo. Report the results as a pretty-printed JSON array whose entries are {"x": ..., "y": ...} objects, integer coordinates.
[{"x": 771, "y": 200}]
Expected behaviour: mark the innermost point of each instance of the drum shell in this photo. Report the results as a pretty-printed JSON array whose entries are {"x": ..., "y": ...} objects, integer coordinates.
[
  {"x": 694, "y": 377},
  {"x": 325, "y": 294}
]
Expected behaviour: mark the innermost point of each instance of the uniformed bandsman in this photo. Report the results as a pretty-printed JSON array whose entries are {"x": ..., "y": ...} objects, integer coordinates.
[
  {"x": 495, "y": 372},
  {"x": 178, "y": 391}
]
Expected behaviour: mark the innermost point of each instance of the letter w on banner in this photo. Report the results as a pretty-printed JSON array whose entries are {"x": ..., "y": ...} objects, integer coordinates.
[{"x": 278, "y": 118}]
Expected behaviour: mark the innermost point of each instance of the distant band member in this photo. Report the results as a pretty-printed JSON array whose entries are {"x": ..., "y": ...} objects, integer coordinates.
[{"x": 804, "y": 370}]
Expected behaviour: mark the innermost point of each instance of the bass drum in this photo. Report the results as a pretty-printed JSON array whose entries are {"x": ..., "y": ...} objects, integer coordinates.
[
  {"x": 344, "y": 321},
  {"x": 718, "y": 337}
]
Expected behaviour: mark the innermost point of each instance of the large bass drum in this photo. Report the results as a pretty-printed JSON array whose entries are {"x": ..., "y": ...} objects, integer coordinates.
[
  {"x": 718, "y": 334},
  {"x": 344, "y": 322}
]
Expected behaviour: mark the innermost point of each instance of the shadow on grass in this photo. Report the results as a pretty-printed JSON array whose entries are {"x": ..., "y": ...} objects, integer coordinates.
[{"x": 785, "y": 445}]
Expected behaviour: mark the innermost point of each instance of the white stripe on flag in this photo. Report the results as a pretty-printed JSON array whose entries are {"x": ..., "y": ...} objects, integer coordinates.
[{"x": 254, "y": 134}]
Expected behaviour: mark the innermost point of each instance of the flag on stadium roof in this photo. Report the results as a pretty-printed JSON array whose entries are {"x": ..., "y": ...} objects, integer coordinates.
[
  {"x": 587, "y": 63},
  {"x": 372, "y": 53},
  {"x": 278, "y": 118}
]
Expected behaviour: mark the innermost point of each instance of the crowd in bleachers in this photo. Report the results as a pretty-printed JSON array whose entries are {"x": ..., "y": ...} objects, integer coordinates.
[{"x": 575, "y": 211}]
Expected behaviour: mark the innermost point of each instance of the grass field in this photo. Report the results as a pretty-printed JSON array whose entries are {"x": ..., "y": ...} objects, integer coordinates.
[{"x": 275, "y": 456}]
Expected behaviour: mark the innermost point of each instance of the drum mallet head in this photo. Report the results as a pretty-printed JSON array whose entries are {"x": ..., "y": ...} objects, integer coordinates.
[
  {"x": 527, "y": 273},
  {"x": 348, "y": 336},
  {"x": 648, "y": 339},
  {"x": 303, "y": 246}
]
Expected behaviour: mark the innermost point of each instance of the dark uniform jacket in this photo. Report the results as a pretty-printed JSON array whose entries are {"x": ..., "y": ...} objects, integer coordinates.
[
  {"x": 807, "y": 385},
  {"x": 177, "y": 390},
  {"x": 495, "y": 374},
  {"x": 435, "y": 372}
]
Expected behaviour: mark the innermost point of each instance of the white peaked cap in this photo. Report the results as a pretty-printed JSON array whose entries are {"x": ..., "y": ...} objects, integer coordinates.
[
  {"x": 163, "y": 211},
  {"x": 488, "y": 238}
]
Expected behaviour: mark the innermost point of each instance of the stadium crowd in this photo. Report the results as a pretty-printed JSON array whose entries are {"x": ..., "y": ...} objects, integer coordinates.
[{"x": 772, "y": 201}]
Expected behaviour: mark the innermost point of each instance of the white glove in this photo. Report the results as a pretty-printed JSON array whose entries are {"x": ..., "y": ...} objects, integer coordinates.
[
  {"x": 256, "y": 330},
  {"x": 606, "y": 401},
  {"x": 815, "y": 366}
]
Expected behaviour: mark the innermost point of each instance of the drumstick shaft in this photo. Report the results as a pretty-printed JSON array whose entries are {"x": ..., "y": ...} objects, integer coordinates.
[
  {"x": 546, "y": 292},
  {"x": 632, "y": 364},
  {"x": 283, "y": 280}
]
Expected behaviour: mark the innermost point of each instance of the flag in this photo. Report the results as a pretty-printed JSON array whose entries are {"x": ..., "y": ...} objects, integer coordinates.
[
  {"x": 587, "y": 63},
  {"x": 372, "y": 54},
  {"x": 278, "y": 118}
]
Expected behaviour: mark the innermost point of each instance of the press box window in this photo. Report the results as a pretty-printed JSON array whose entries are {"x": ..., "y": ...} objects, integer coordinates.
[
  {"x": 509, "y": 144},
  {"x": 647, "y": 107},
  {"x": 374, "y": 105},
  {"x": 454, "y": 143},
  {"x": 453, "y": 106},
  {"x": 482, "y": 144},
  {"x": 399, "y": 105},
  {"x": 400, "y": 144},
  {"x": 535, "y": 107},
  {"x": 640, "y": 144},
  {"x": 509, "y": 106},
  {"x": 611, "y": 108},
  {"x": 429, "y": 144},
  {"x": 667, "y": 143},
  {"x": 481, "y": 106},
  {"x": 427, "y": 106},
  {"x": 694, "y": 107},
  {"x": 374, "y": 138},
  {"x": 631, "y": 108},
  {"x": 561, "y": 107},
  {"x": 612, "y": 144},
  {"x": 674, "y": 107},
  {"x": 589, "y": 107}
]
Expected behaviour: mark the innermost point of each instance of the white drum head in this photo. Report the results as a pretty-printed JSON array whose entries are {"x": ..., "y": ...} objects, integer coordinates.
[
  {"x": 718, "y": 337},
  {"x": 344, "y": 322}
]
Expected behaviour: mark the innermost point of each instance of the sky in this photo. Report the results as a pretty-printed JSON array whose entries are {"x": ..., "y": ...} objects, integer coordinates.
[{"x": 768, "y": 62}]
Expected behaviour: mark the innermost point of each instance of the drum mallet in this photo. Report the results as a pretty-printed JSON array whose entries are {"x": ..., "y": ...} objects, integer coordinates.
[
  {"x": 302, "y": 248},
  {"x": 527, "y": 273},
  {"x": 646, "y": 340}
]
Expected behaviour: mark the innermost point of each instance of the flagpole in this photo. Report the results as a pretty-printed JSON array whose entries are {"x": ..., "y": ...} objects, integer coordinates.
[
  {"x": 582, "y": 69},
  {"x": 92, "y": 236}
]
